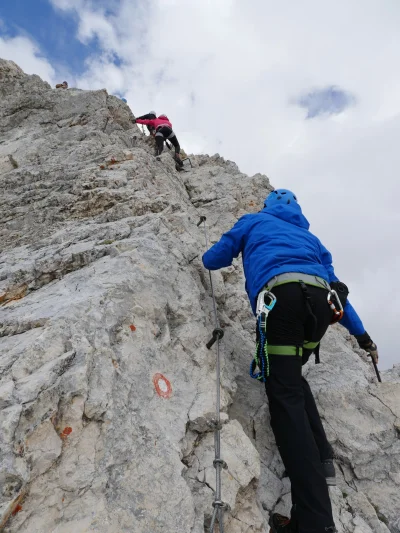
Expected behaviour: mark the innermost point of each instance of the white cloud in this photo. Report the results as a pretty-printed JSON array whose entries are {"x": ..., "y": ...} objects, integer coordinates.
[
  {"x": 227, "y": 72},
  {"x": 27, "y": 55}
]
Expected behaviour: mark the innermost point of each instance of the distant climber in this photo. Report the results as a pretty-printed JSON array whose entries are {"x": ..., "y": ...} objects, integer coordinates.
[
  {"x": 282, "y": 256},
  {"x": 149, "y": 116},
  {"x": 162, "y": 131},
  {"x": 63, "y": 85}
]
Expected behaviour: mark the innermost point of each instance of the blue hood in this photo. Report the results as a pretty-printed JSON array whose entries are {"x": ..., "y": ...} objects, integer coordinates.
[{"x": 289, "y": 212}]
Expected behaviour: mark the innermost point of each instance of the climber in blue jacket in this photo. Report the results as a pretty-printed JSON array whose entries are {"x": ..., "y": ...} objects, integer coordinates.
[{"x": 282, "y": 256}]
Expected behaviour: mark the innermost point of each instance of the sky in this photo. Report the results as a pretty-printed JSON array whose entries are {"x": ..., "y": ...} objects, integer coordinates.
[{"x": 304, "y": 92}]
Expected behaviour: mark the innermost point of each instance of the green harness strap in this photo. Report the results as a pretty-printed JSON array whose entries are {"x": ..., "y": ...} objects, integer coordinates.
[
  {"x": 319, "y": 282},
  {"x": 291, "y": 350}
]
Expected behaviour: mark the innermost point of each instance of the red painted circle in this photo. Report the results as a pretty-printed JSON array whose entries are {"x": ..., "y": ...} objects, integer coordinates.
[{"x": 162, "y": 386}]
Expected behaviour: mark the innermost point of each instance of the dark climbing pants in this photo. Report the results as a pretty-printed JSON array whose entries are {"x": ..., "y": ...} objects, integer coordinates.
[
  {"x": 163, "y": 134},
  {"x": 295, "y": 420}
]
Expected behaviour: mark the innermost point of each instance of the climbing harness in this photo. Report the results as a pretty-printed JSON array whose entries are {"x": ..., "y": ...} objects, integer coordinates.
[
  {"x": 218, "y": 504},
  {"x": 265, "y": 303}
]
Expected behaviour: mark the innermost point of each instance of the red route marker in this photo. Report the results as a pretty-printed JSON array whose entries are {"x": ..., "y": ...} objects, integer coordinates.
[
  {"x": 67, "y": 431},
  {"x": 17, "y": 509},
  {"x": 162, "y": 386}
]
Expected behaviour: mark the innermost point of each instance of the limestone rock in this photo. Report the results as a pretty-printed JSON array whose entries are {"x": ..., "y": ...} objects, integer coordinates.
[
  {"x": 42, "y": 448},
  {"x": 107, "y": 391}
]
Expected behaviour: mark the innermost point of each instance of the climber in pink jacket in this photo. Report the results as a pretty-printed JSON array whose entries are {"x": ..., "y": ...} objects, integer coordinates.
[
  {"x": 155, "y": 123},
  {"x": 163, "y": 132}
]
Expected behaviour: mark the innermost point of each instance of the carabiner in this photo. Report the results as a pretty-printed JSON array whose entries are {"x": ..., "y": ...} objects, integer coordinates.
[
  {"x": 262, "y": 305},
  {"x": 338, "y": 313}
]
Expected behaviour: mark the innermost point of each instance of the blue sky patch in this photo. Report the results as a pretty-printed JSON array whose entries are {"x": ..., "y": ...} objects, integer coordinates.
[
  {"x": 53, "y": 30},
  {"x": 326, "y": 101}
]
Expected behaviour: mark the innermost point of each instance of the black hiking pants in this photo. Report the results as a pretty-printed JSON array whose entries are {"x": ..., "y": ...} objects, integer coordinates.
[
  {"x": 295, "y": 420},
  {"x": 165, "y": 133}
]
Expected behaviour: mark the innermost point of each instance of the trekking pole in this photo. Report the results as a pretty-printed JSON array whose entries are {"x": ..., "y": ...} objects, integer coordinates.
[
  {"x": 219, "y": 505},
  {"x": 378, "y": 375}
]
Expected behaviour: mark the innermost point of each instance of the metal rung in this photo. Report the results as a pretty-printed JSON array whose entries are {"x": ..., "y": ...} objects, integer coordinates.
[
  {"x": 221, "y": 504},
  {"x": 220, "y": 462},
  {"x": 214, "y": 424},
  {"x": 217, "y": 334}
]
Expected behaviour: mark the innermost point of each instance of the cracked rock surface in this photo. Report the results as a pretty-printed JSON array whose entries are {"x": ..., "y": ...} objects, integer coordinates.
[{"x": 107, "y": 391}]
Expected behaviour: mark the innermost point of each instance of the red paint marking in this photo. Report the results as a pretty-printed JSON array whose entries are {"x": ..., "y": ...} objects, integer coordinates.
[
  {"x": 17, "y": 509},
  {"x": 162, "y": 386},
  {"x": 66, "y": 431},
  {"x": 133, "y": 328}
]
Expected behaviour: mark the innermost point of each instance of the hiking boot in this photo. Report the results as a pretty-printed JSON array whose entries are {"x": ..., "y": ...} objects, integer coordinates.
[
  {"x": 329, "y": 472},
  {"x": 281, "y": 524},
  {"x": 178, "y": 161}
]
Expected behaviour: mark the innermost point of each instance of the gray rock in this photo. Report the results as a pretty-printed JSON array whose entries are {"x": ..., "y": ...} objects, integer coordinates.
[
  {"x": 107, "y": 391},
  {"x": 6, "y": 394},
  {"x": 42, "y": 448}
]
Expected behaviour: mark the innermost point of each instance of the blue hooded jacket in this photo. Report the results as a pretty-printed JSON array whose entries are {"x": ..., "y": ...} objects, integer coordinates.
[{"x": 275, "y": 241}]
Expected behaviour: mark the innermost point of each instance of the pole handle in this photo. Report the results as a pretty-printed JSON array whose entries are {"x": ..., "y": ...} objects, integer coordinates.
[{"x": 217, "y": 334}]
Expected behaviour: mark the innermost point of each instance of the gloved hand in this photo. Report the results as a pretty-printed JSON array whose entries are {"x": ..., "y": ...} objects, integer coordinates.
[
  {"x": 366, "y": 343},
  {"x": 134, "y": 121}
]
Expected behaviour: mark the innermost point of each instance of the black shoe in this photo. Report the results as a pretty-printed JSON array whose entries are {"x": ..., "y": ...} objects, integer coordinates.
[
  {"x": 281, "y": 524},
  {"x": 178, "y": 160},
  {"x": 329, "y": 472}
]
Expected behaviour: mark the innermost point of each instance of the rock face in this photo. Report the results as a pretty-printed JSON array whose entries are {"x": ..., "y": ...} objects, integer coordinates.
[{"x": 107, "y": 390}]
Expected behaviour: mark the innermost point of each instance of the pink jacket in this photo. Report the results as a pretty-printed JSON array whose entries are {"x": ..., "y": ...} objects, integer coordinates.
[{"x": 162, "y": 120}]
